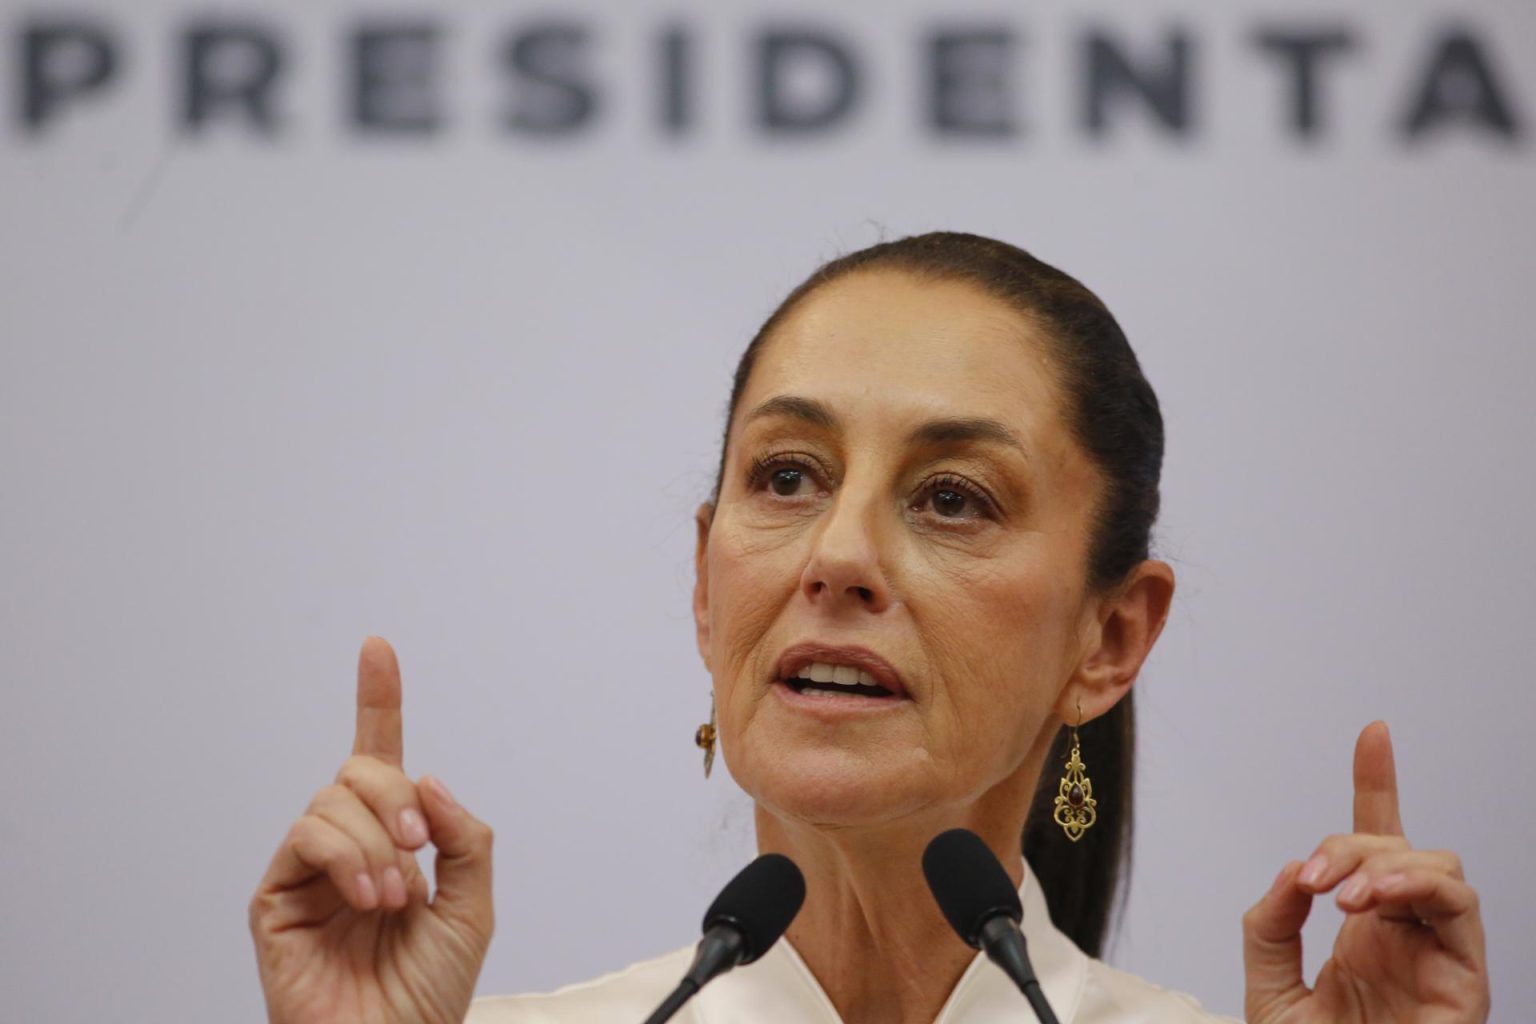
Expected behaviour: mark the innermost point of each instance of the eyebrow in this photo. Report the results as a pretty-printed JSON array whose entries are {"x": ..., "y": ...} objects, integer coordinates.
[
  {"x": 973, "y": 428},
  {"x": 948, "y": 430},
  {"x": 807, "y": 409}
]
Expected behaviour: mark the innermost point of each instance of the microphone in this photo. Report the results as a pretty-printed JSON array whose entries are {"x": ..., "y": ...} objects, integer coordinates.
[
  {"x": 748, "y": 917},
  {"x": 979, "y": 902}
]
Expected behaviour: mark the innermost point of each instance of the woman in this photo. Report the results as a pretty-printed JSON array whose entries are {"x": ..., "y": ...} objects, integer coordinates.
[{"x": 925, "y": 562}]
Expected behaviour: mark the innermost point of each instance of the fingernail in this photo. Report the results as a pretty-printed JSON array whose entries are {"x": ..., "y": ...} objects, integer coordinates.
[
  {"x": 1386, "y": 883},
  {"x": 442, "y": 791},
  {"x": 394, "y": 887},
  {"x": 1314, "y": 870},
  {"x": 1355, "y": 889},
  {"x": 412, "y": 828},
  {"x": 366, "y": 891},
  {"x": 1281, "y": 876}
]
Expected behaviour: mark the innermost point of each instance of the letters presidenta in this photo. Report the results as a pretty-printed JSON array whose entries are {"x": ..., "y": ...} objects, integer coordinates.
[{"x": 436, "y": 74}]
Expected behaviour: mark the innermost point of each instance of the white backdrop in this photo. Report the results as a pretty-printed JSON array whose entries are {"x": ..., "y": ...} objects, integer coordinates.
[{"x": 264, "y": 392}]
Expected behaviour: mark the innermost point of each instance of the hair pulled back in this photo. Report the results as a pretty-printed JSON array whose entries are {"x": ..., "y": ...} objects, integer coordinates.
[{"x": 1114, "y": 417}]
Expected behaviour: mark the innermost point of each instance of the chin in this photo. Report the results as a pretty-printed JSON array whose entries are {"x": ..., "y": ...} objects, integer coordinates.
[{"x": 831, "y": 787}]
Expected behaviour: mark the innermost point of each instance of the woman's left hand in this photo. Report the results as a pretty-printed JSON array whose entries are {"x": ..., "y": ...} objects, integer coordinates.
[{"x": 1410, "y": 950}]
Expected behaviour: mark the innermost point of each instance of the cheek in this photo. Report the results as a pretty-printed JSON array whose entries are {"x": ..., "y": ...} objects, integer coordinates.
[
  {"x": 997, "y": 646},
  {"x": 749, "y": 583}
]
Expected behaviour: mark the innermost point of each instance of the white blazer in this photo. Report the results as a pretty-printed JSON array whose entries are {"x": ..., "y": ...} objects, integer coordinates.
[{"x": 780, "y": 989}]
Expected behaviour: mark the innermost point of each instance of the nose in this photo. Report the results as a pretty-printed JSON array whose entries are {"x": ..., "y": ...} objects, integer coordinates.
[{"x": 845, "y": 568}]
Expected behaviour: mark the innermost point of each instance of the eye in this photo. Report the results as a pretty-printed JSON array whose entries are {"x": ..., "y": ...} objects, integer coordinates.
[
  {"x": 785, "y": 482},
  {"x": 948, "y": 502},
  {"x": 784, "y": 476},
  {"x": 956, "y": 498}
]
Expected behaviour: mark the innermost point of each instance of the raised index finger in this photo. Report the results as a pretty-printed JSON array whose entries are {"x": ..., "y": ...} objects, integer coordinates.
[
  {"x": 378, "y": 703},
  {"x": 1376, "y": 810}
]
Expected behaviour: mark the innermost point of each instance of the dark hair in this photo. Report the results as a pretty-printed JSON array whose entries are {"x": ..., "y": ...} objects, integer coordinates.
[{"x": 1114, "y": 417}]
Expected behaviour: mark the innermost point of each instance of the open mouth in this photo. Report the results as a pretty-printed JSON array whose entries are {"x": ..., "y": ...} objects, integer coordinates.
[{"x": 820, "y": 679}]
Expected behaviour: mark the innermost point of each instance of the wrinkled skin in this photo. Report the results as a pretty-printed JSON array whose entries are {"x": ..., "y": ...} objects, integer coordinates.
[{"x": 900, "y": 476}]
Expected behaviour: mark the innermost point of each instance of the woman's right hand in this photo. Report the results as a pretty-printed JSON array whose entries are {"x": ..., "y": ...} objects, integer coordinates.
[{"x": 343, "y": 925}]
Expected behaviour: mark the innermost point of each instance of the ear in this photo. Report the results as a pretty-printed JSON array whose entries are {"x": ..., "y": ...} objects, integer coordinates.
[
  {"x": 702, "y": 518},
  {"x": 1127, "y": 623}
]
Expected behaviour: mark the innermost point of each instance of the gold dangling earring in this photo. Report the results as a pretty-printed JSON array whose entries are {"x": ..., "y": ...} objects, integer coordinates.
[
  {"x": 705, "y": 737},
  {"x": 1076, "y": 809}
]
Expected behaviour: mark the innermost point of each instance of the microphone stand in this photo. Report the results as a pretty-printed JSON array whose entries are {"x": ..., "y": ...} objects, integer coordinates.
[
  {"x": 1004, "y": 945},
  {"x": 720, "y": 950}
]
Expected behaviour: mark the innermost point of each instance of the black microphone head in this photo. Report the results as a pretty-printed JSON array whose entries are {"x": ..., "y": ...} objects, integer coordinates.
[
  {"x": 969, "y": 884},
  {"x": 759, "y": 902}
]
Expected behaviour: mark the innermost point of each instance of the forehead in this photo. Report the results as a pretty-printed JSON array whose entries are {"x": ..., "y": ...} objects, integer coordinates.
[{"x": 895, "y": 346}]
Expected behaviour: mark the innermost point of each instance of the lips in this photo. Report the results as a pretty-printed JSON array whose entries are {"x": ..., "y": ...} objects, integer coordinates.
[{"x": 798, "y": 659}]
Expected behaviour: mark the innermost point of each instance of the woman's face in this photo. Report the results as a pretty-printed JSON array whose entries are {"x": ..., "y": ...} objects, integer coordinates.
[{"x": 901, "y": 495}]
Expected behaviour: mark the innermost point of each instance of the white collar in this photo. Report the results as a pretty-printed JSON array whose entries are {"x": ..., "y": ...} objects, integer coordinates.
[{"x": 780, "y": 987}]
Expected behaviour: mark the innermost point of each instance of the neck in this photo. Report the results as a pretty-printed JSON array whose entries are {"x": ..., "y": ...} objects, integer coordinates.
[{"x": 870, "y": 930}]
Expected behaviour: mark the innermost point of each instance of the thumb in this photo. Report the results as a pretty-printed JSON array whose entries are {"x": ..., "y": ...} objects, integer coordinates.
[
  {"x": 463, "y": 845},
  {"x": 1272, "y": 946}
]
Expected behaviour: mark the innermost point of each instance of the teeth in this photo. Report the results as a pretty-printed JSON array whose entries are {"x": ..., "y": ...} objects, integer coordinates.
[
  {"x": 847, "y": 675},
  {"x": 819, "y": 672}
]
